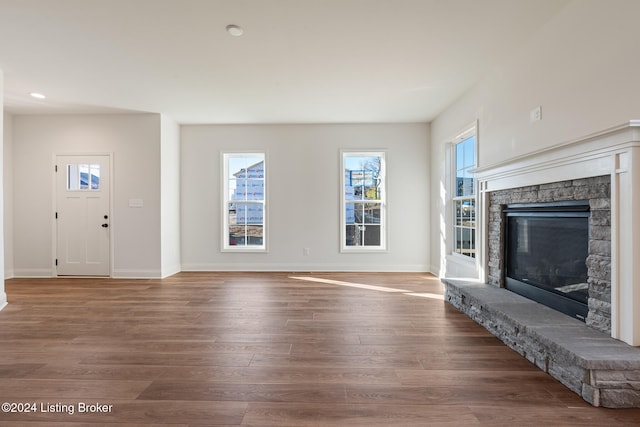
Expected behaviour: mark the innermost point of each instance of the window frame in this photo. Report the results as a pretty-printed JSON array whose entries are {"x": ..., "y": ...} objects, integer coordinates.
[
  {"x": 383, "y": 214},
  {"x": 225, "y": 199},
  {"x": 470, "y": 132}
]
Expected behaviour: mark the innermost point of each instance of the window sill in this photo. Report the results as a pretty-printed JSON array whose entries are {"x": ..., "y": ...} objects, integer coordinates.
[
  {"x": 462, "y": 266},
  {"x": 244, "y": 250},
  {"x": 363, "y": 250}
]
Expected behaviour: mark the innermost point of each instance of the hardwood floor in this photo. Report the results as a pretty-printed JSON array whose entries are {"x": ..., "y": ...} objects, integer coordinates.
[{"x": 266, "y": 349}]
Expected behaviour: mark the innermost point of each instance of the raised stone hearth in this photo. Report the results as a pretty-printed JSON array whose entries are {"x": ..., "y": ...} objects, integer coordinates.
[{"x": 602, "y": 370}]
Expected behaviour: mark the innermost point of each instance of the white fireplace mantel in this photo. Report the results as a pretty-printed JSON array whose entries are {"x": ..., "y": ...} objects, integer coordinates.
[{"x": 614, "y": 152}]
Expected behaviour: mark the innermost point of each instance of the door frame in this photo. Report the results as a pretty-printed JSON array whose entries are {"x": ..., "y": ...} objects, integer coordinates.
[{"x": 54, "y": 193}]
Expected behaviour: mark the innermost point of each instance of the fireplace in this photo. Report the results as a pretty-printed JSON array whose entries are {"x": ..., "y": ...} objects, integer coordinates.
[
  {"x": 603, "y": 169},
  {"x": 545, "y": 253},
  {"x": 562, "y": 252}
]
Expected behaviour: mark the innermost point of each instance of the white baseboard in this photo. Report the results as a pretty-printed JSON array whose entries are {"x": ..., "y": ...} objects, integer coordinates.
[
  {"x": 29, "y": 273},
  {"x": 174, "y": 269},
  {"x": 418, "y": 268},
  {"x": 136, "y": 274},
  {"x": 435, "y": 270}
]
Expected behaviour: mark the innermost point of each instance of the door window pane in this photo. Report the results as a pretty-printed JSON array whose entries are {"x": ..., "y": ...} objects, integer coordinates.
[{"x": 83, "y": 177}]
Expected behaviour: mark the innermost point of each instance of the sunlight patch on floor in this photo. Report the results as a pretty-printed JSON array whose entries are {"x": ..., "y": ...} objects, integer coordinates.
[
  {"x": 426, "y": 295},
  {"x": 349, "y": 284},
  {"x": 369, "y": 287}
]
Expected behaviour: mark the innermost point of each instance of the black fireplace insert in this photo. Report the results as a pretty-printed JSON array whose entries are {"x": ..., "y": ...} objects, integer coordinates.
[{"x": 546, "y": 248}]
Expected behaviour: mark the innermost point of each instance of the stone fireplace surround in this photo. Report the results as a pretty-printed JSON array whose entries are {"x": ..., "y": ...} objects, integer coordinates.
[
  {"x": 597, "y": 191},
  {"x": 598, "y": 359}
]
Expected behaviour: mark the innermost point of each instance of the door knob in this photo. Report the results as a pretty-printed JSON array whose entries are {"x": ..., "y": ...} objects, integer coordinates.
[{"x": 105, "y": 225}]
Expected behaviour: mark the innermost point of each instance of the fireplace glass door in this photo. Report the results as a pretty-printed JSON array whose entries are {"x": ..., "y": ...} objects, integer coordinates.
[{"x": 546, "y": 248}]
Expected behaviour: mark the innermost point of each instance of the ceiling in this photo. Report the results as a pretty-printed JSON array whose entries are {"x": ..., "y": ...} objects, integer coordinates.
[{"x": 298, "y": 61}]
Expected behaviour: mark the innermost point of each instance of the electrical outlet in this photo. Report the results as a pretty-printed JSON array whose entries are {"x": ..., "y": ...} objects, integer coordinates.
[
  {"x": 536, "y": 114},
  {"x": 306, "y": 251}
]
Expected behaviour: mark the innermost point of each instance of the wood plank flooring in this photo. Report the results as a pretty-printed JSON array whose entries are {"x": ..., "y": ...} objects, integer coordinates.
[{"x": 266, "y": 349}]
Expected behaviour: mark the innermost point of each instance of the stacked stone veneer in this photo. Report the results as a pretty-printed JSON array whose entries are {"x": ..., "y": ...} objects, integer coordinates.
[
  {"x": 600, "y": 369},
  {"x": 597, "y": 191}
]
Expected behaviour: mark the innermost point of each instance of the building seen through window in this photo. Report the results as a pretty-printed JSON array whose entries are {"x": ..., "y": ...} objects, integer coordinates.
[
  {"x": 244, "y": 220},
  {"x": 363, "y": 199}
]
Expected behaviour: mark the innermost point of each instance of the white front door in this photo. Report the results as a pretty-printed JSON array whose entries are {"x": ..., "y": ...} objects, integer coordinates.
[{"x": 82, "y": 215}]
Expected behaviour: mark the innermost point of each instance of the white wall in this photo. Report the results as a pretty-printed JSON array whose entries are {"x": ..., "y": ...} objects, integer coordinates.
[
  {"x": 303, "y": 195},
  {"x": 582, "y": 68},
  {"x": 3, "y": 295},
  {"x": 8, "y": 195},
  {"x": 170, "y": 196},
  {"x": 134, "y": 141}
]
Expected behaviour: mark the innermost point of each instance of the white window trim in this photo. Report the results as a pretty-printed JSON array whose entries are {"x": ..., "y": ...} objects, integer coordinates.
[
  {"x": 466, "y": 133},
  {"x": 383, "y": 247},
  {"x": 224, "y": 197}
]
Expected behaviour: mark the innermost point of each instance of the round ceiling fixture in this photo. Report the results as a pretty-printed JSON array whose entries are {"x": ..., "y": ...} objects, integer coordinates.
[
  {"x": 235, "y": 30},
  {"x": 37, "y": 95}
]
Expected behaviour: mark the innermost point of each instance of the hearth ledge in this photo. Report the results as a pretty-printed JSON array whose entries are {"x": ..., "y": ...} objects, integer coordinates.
[{"x": 602, "y": 370}]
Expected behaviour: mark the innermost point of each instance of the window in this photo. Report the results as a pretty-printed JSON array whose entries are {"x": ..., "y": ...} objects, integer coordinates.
[
  {"x": 464, "y": 200},
  {"x": 244, "y": 210},
  {"x": 83, "y": 177},
  {"x": 363, "y": 201}
]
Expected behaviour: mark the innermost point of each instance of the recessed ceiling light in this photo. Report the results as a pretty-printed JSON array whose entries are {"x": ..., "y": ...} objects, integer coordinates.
[
  {"x": 37, "y": 95},
  {"x": 235, "y": 30}
]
